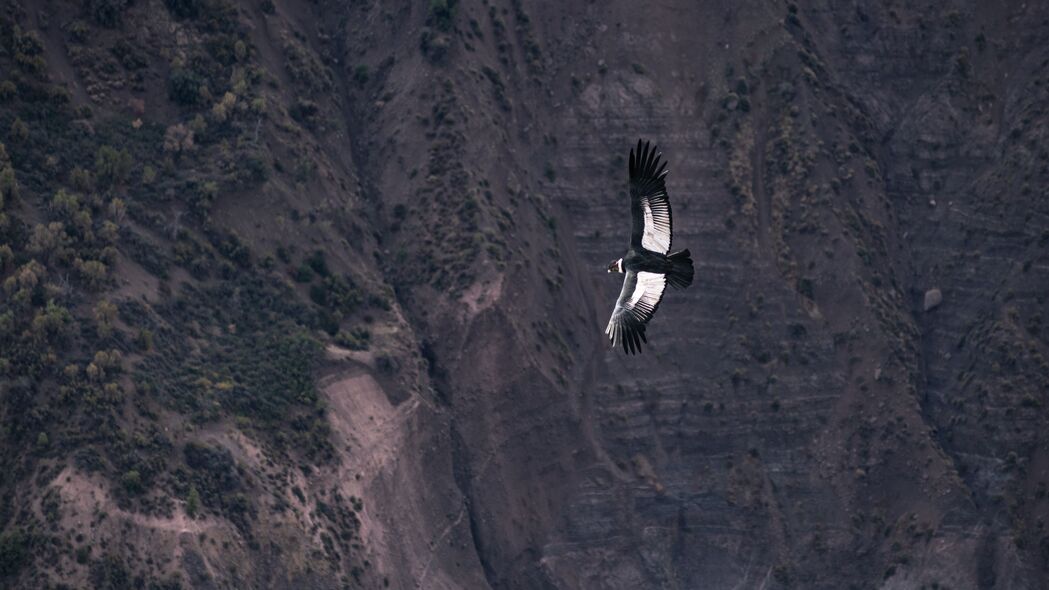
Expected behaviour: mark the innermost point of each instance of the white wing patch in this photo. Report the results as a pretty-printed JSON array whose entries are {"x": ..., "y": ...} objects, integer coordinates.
[
  {"x": 647, "y": 292},
  {"x": 656, "y": 236},
  {"x": 638, "y": 300}
]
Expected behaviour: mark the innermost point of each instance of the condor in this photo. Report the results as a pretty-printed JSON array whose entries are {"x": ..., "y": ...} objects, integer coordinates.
[{"x": 647, "y": 265}]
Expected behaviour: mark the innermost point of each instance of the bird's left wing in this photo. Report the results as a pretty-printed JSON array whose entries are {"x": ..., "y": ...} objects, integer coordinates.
[
  {"x": 637, "y": 303},
  {"x": 649, "y": 202}
]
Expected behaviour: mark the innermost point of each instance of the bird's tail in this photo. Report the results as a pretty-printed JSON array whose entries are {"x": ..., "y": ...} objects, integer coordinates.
[{"x": 680, "y": 274}]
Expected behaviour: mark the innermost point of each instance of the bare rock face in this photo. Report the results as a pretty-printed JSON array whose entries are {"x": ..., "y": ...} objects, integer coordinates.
[
  {"x": 749, "y": 446},
  {"x": 933, "y": 299}
]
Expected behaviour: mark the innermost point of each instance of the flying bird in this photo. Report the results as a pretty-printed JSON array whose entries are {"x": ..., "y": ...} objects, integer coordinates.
[{"x": 647, "y": 266}]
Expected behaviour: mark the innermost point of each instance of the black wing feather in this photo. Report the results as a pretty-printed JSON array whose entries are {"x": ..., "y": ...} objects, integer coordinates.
[
  {"x": 637, "y": 303},
  {"x": 648, "y": 192}
]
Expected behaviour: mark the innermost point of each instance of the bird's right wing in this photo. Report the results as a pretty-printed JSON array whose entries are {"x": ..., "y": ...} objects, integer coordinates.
[
  {"x": 637, "y": 303},
  {"x": 649, "y": 202}
]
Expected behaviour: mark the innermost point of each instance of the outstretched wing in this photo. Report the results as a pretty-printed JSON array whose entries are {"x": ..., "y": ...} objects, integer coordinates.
[
  {"x": 649, "y": 203},
  {"x": 637, "y": 303}
]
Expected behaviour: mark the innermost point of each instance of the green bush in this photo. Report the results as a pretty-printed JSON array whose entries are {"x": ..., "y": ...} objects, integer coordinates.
[
  {"x": 184, "y": 8},
  {"x": 318, "y": 263},
  {"x": 360, "y": 74},
  {"x": 184, "y": 87},
  {"x": 193, "y": 502},
  {"x": 112, "y": 166},
  {"x": 304, "y": 273},
  {"x": 442, "y": 14},
  {"x": 132, "y": 482},
  {"x": 356, "y": 339},
  {"x": 13, "y": 549},
  {"x": 8, "y": 90},
  {"x": 107, "y": 13}
]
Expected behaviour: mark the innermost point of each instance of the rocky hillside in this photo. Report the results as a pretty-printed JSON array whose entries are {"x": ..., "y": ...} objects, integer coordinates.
[{"x": 310, "y": 295}]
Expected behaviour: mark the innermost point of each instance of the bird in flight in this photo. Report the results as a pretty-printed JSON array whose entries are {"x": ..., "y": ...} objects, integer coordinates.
[{"x": 647, "y": 266}]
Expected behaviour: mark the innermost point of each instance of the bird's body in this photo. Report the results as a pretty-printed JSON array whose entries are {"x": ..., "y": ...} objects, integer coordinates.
[
  {"x": 648, "y": 265},
  {"x": 642, "y": 260}
]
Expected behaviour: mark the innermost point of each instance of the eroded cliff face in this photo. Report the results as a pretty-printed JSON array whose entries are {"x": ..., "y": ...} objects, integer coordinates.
[
  {"x": 799, "y": 418},
  {"x": 799, "y": 409}
]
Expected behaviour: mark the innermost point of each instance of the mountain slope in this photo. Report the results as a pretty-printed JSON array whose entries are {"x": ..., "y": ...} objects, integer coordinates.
[{"x": 311, "y": 295}]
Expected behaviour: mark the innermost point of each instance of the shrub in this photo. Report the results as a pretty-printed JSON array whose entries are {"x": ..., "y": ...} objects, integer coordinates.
[
  {"x": 193, "y": 502},
  {"x": 144, "y": 340},
  {"x": 130, "y": 56},
  {"x": 253, "y": 170},
  {"x": 442, "y": 13},
  {"x": 107, "y": 13},
  {"x": 132, "y": 481},
  {"x": 360, "y": 74},
  {"x": 105, "y": 314},
  {"x": 186, "y": 87},
  {"x": 318, "y": 264},
  {"x": 806, "y": 287},
  {"x": 53, "y": 321},
  {"x": 222, "y": 110},
  {"x": 81, "y": 180},
  {"x": 12, "y": 552},
  {"x": 27, "y": 44},
  {"x": 184, "y": 8},
  {"x": 111, "y": 166},
  {"x": 19, "y": 130},
  {"x": 110, "y": 572},
  {"x": 305, "y": 112},
  {"x": 177, "y": 139},
  {"x": 356, "y": 339},
  {"x": 304, "y": 273},
  {"x": 8, "y": 186},
  {"x": 79, "y": 30},
  {"x": 93, "y": 272}
]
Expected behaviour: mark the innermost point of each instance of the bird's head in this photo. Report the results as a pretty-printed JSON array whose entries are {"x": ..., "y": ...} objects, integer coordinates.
[{"x": 616, "y": 266}]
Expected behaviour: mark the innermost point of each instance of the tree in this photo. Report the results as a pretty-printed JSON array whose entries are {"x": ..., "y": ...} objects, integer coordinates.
[
  {"x": 186, "y": 87},
  {"x": 144, "y": 340},
  {"x": 7, "y": 90},
  {"x": 12, "y": 552},
  {"x": 184, "y": 8},
  {"x": 7, "y": 256},
  {"x": 111, "y": 166},
  {"x": 19, "y": 129},
  {"x": 224, "y": 108},
  {"x": 47, "y": 240},
  {"x": 178, "y": 139},
  {"x": 53, "y": 321},
  {"x": 93, "y": 272},
  {"x": 193, "y": 502},
  {"x": 81, "y": 179},
  {"x": 66, "y": 205},
  {"x": 105, "y": 314},
  {"x": 117, "y": 210},
  {"x": 109, "y": 232},
  {"x": 132, "y": 481},
  {"x": 107, "y": 13},
  {"x": 8, "y": 186}
]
